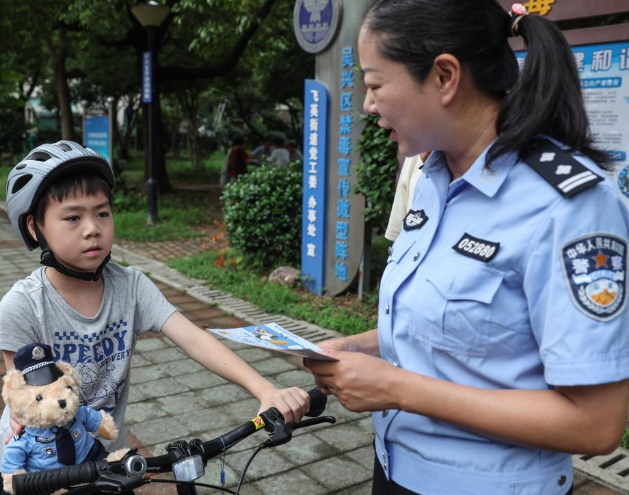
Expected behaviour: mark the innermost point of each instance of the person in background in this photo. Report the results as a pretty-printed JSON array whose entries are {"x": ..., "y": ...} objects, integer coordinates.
[
  {"x": 294, "y": 155},
  {"x": 263, "y": 151},
  {"x": 280, "y": 156},
  {"x": 235, "y": 163},
  {"x": 404, "y": 191},
  {"x": 502, "y": 344}
]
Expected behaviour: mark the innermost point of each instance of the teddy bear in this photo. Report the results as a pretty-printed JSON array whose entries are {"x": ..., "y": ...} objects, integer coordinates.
[{"x": 43, "y": 396}]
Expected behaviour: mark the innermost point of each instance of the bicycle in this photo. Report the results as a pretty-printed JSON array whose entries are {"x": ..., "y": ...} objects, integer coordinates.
[{"x": 186, "y": 460}]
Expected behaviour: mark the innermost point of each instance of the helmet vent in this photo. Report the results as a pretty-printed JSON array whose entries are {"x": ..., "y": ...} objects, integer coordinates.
[
  {"x": 20, "y": 166},
  {"x": 64, "y": 146},
  {"x": 20, "y": 183},
  {"x": 38, "y": 156}
]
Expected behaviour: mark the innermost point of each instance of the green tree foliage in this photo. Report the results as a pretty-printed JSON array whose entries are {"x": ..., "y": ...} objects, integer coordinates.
[
  {"x": 376, "y": 173},
  {"x": 89, "y": 50},
  {"x": 262, "y": 213}
]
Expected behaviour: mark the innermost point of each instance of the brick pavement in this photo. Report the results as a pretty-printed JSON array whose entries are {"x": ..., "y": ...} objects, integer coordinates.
[{"x": 172, "y": 397}]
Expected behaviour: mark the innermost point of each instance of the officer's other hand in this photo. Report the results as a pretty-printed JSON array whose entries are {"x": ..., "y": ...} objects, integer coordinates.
[
  {"x": 17, "y": 429},
  {"x": 359, "y": 381},
  {"x": 345, "y": 344}
]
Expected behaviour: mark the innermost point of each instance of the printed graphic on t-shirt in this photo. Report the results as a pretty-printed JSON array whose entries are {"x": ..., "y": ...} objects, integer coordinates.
[{"x": 95, "y": 357}]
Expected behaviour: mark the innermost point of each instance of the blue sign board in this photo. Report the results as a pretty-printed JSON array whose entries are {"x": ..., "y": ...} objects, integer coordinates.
[
  {"x": 315, "y": 23},
  {"x": 147, "y": 76},
  {"x": 314, "y": 199},
  {"x": 97, "y": 134}
]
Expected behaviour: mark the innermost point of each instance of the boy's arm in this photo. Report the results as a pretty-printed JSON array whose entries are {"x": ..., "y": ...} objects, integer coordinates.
[
  {"x": 8, "y": 359},
  {"x": 209, "y": 352},
  {"x": 15, "y": 426}
]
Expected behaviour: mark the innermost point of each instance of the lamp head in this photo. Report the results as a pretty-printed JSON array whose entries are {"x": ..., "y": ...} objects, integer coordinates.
[{"x": 151, "y": 13}]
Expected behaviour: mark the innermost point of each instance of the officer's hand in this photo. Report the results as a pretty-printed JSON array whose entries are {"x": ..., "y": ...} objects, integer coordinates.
[
  {"x": 361, "y": 382},
  {"x": 343, "y": 344},
  {"x": 17, "y": 429}
]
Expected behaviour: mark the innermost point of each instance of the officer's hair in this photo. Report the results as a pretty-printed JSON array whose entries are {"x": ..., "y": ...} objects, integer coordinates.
[
  {"x": 544, "y": 99},
  {"x": 76, "y": 184}
]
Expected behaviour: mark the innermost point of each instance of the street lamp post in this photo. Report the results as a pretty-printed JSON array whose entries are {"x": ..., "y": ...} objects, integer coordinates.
[{"x": 151, "y": 15}]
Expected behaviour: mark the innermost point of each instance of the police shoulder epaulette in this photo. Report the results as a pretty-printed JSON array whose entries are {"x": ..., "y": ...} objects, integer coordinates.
[{"x": 559, "y": 168}]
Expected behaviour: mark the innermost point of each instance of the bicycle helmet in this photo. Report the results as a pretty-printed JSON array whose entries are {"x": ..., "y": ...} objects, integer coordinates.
[{"x": 30, "y": 178}]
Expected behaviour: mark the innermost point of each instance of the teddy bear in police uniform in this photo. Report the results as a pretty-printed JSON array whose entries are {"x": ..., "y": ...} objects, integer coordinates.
[{"x": 43, "y": 396}]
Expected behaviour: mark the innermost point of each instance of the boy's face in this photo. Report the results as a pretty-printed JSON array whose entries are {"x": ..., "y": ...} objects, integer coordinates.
[{"x": 79, "y": 230}]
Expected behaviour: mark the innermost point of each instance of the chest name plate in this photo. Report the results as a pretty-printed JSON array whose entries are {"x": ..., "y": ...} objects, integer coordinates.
[
  {"x": 45, "y": 439},
  {"x": 478, "y": 249}
]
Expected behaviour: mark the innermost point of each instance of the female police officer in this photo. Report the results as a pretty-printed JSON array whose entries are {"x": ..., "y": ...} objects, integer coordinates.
[{"x": 502, "y": 341}]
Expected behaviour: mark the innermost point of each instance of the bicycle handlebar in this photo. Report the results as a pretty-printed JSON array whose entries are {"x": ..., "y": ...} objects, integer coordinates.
[{"x": 48, "y": 481}]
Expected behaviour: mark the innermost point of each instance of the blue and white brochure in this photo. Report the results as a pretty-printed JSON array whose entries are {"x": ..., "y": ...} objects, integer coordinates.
[{"x": 274, "y": 337}]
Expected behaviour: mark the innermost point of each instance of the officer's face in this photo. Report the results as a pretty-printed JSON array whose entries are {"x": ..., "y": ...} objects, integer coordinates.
[{"x": 410, "y": 110}]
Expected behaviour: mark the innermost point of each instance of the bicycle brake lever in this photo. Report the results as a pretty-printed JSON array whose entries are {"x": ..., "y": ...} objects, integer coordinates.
[
  {"x": 313, "y": 421},
  {"x": 279, "y": 431},
  {"x": 111, "y": 482}
]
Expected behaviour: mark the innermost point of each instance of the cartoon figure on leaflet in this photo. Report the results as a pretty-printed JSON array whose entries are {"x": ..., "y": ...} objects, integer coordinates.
[{"x": 263, "y": 334}]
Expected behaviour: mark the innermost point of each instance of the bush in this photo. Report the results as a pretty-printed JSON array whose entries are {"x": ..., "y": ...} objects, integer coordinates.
[{"x": 262, "y": 214}]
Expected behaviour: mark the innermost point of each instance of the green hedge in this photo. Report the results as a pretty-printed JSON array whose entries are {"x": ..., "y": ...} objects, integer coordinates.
[{"x": 262, "y": 214}]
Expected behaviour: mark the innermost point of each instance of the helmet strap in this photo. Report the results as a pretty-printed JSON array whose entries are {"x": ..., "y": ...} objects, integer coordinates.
[{"x": 48, "y": 259}]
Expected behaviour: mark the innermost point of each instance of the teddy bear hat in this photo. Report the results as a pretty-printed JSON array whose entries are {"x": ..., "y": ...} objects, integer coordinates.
[{"x": 37, "y": 365}]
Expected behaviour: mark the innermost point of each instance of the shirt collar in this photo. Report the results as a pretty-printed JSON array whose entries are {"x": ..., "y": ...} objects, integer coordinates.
[{"x": 487, "y": 180}]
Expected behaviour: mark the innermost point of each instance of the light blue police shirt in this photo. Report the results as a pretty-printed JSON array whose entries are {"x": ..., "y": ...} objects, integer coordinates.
[
  {"x": 35, "y": 449},
  {"x": 501, "y": 283}
]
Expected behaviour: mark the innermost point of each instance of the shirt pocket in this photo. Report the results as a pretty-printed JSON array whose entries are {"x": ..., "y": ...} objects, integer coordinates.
[
  {"x": 44, "y": 454},
  {"x": 455, "y": 317}
]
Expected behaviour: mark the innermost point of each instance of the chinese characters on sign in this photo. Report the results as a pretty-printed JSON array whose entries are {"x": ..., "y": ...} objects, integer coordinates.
[
  {"x": 604, "y": 73},
  {"x": 343, "y": 165},
  {"x": 313, "y": 221},
  {"x": 147, "y": 93},
  {"x": 97, "y": 134},
  {"x": 541, "y": 7}
]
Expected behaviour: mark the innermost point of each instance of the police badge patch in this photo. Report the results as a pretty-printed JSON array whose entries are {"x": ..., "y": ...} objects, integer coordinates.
[
  {"x": 594, "y": 267},
  {"x": 415, "y": 219}
]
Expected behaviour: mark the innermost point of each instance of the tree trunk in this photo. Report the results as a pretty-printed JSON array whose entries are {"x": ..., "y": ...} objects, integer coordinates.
[
  {"x": 58, "y": 57},
  {"x": 159, "y": 156},
  {"x": 123, "y": 136}
]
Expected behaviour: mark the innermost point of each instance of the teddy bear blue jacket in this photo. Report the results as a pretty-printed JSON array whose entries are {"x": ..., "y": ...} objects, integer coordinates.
[{"x": 35, "y": 449}]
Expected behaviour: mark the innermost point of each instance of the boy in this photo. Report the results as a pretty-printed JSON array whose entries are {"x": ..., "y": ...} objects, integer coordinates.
[{"x": 90, "y": 312}]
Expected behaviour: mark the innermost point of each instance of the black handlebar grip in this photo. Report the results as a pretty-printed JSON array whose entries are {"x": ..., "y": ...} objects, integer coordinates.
[
  {"x": 46, "y": 482},
  {"x": 318, "y": 401}
]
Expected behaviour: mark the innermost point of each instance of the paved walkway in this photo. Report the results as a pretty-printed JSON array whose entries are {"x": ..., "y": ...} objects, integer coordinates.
[{"x": 172, "y": 397}]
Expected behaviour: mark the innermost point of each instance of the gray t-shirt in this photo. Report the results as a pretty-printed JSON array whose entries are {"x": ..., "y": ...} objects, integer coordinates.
[{"x": 99, "y": 348}]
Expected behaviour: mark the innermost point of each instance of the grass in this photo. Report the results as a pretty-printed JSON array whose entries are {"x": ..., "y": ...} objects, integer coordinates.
[
  {"x": 179, "y": 170},
  {"x": 4, "y": 173},
  {"x": 178, "y": 218},
  {"x": 223, "y": 271}
]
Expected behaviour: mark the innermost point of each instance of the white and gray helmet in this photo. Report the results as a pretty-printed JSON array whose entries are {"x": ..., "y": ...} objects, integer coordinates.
[{"x": 32, "y": 176}]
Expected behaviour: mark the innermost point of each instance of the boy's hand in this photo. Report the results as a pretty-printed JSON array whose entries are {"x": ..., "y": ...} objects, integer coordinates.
[
  {"x": 292, "y": 402},
  {"x": 17, "y": 429}
]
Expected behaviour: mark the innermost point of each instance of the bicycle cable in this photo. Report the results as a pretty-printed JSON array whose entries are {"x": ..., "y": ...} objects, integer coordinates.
[{"x": 242, "y": 476}]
